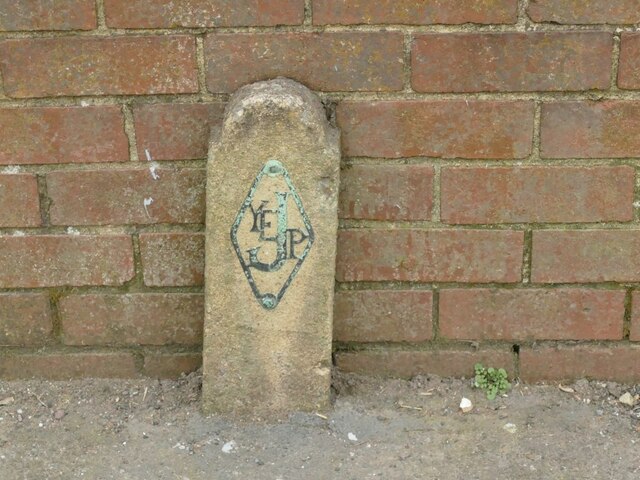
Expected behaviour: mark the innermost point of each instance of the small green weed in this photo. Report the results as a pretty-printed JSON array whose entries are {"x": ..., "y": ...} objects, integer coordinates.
[{"x": 492, "y": 381}]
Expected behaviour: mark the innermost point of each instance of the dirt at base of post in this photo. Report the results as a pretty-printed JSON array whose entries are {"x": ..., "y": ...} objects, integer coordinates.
[{"x": 388, "y": 429}]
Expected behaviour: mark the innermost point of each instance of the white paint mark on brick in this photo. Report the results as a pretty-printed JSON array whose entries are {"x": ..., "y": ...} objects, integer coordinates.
[
  {"x": 147, "y": 202},
  {"x": 153, "y": 167}
]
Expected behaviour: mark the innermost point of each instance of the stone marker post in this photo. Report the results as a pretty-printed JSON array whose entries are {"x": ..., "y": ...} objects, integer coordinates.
[{"x": 272, "y": 191}]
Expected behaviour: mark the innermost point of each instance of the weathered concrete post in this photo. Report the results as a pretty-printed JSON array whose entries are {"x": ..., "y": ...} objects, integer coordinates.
[{"x": 272, "y": 190}]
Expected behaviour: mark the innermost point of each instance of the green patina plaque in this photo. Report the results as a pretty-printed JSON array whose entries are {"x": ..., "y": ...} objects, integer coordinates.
[{"x": 271, "y": 234}]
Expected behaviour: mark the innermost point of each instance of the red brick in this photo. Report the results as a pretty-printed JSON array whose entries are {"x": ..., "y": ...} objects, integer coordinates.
[
  {"x": 202, "y": 13},
  {"x": 172, "y": 259},
  {"x": 635, "y": 318},
  {"x": 25, "y": 319},
  {"x": 103, "y": 197},
  {"x": 171, "y": 365},
  {"x": 19, "y": 200},
  {"x": 531, "y": 314},
  {"x": 132, "y": 319},
  {"x": 66, "y": 366},
  {"x": 537, "y": 194},
  {"x": 607, "y": 129},
  {"x": 410, "y": 12},
  {"x": 50, "y": 67},
  {"x": 47, "y": 15},
  {"x": 429, "y": 255},
  {"x": 62, "y": 135},
  {"x": 382, "y": 315},
  {"x": 584, "y": 11},
  {"x": 386, "y": 192},
  {"x": 447, "y": 129},
  {"x": 175, "y": 131},
  {"x": 497, "y": 62},
  {"x": 407, "y": 364},
  {"x": 619, "y": 363},
  {"x": 60, "y": 260},
  {"x": 586, "y": 256},
  {"x": 629, "y": 66},
  {"x": 342, "y": 61}
]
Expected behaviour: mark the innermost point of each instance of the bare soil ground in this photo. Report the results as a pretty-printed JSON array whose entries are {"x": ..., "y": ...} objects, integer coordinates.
[{"x": 387, "y": 429}]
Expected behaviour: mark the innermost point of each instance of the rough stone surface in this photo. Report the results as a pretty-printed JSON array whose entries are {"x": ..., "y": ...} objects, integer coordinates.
[{"x": 261, "y": 362}]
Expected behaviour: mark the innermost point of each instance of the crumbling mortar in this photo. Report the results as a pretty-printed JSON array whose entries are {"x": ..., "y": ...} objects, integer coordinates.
[
  {"x": 426, "y": 346},
  {"x": 201, "y": 65},
  {"x": 488, "y": 163},
  {"x": 106, "y": 290},
  {"x": 130, "y": 132},
  {"x": 615, "y": 63},
  {"x": 138, "y": 359},
  {"x": 138, "y": 280},
  {"x": 535, "y": 145},
  {"x": 524, "y": 21},
  {"x": 473, "y": 346},
  {"x": 518, "y": 227},
  {"x": 100, "y": 15},
  {"x": 636, "y": 196},
  {"x": 526, "y": 257},
  {"x": 2, "y": 95},
  {"x": 44, "y": 200},
  {"x": 54, "y": 303},
  {"x": 407, "y": 64},
  {"x": 522, "y": 25},
  {"x": 308, "y": 13},
  {"x": 423, "y": 285},
  {"x": 128, "y": 229},
  {"x": 333, "y": 96},
  {"x": 436, "y": 207},
  {"x": 435, "y": 315},
  {"x": 628, "y": 311},
  {"x": 43, "y": 169}
]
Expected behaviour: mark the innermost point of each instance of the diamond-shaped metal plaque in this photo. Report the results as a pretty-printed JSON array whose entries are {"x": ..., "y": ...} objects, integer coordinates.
[{"x": 272, "y": 234}]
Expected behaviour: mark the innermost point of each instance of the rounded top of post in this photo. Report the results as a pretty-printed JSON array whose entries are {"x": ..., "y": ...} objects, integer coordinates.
[{"x": 281, "y": 97}]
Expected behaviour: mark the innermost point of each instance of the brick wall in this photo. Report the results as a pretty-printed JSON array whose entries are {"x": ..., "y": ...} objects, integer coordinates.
[{"x": 489, "y": 207}]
